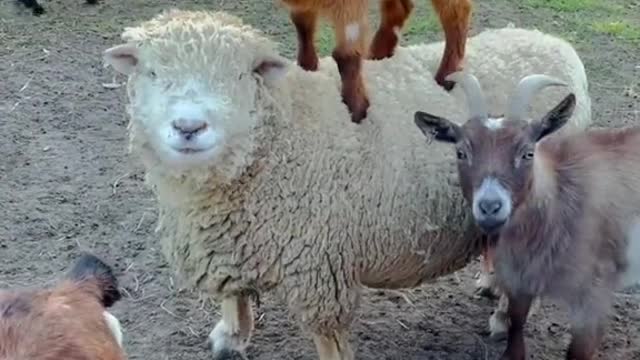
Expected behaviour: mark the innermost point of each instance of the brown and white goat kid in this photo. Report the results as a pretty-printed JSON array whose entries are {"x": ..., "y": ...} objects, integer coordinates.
[
  {"x": 350, "y": 24},
  {"x": 68, "y": 321},
  {"x": 565, "y": 208}
]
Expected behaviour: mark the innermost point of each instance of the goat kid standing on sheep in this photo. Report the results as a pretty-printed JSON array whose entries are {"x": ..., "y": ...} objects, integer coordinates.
[
  {"x": 350, "y": 23},
  {"x": 263, "y": 187},
  {"x": 69, "y": 321},
  {"x": 351, "y": 27},
  {"x": 565, "y": 208}
]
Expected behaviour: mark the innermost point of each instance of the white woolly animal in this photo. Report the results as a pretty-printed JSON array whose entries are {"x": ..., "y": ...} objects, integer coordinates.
[{"x": 263, "y": 183}]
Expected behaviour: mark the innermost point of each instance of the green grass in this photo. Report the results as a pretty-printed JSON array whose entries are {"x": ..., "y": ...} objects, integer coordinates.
[
  {"x": 325, "y": 39},
  {"x": 565, "y": 5},
  {"x": 618, "y": 29},
  {"x": 579, "y": 20},
  {"x": 421, "y": 24}
]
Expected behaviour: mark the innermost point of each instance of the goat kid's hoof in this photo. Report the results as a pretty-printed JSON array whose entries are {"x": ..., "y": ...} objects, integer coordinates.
[
  {"x": 447, "y": 85},
  {"x": 383, "y": 45},
  {"x": 359, "y": 111}
]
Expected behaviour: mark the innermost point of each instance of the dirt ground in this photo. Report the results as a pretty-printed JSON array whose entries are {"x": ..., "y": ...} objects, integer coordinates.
[{"x": 67, "y": 184}]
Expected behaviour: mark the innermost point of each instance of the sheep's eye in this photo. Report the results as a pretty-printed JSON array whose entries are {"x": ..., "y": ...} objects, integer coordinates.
[
  {"x": 528, "y": 155},
  {"x": 152, "y": 74},
  {"x": 461, "y": 155}
]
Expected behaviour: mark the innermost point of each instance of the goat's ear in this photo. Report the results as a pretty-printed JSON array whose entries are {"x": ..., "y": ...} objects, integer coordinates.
[
  {"x": 272, "y": 69},
  {"x": 438, "y": 127},
  {"x": 90, "y": 268},
  {"x": 123, "y": 58},
  {"x": 554, "y": 119}
]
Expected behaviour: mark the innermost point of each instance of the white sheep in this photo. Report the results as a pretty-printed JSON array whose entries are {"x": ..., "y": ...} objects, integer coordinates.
[{"x": 264, "y": 185}]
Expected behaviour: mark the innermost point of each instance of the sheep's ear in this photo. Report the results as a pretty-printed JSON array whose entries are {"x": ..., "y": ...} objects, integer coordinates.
[
  {"x": 438, "y": 127},
  {"x": 123, "y": 58},
  {"x": 271, "y": 69},
  {"x": 554, "y": 119}
]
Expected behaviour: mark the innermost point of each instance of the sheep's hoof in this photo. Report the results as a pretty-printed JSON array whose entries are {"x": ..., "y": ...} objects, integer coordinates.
[
  {"x": 228, "y": 354},
  {"x": 498, "y": 326},
  {"x": 485, "y": 286},
  {"x": 224, "y": 344},
  {"x": 486, "y": 292}
]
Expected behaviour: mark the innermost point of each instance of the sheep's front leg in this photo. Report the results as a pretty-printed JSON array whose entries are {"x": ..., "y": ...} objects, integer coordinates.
[
  {"x": 232, "y": 333},
  {"x": 333, "y": 347},
  {"x": 454, "y": 17},
  {"x": 485, "y": 285},
  {"x": 499, "y": 320},
  {"x": 518, "y": 310},
  {"x": 305, "y": 23},
  {"x": 394, "y": 14}
]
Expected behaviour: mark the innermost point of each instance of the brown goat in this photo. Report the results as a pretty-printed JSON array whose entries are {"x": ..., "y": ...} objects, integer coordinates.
[
  {"x": 67, "y": 322},
  {"x": 350, "y": 23},
  {"x": 565, "y": 208}
]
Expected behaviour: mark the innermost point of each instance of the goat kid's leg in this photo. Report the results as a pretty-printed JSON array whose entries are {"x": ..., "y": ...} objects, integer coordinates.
[
  {"x": 454, "y": 17},
  {"x": 588, "y": 323},
  {"x": 232, "y": 333},
  {"x": 584, "y": 342},
  {"x": 354, "y": 93},
  {"x": 394, "y": 13},
  {"x": 305, "y": 23},
  {"x": 348, "y": 54},
  {"x": 333, "y": 347},
  {"x": 518, "y": 310}
]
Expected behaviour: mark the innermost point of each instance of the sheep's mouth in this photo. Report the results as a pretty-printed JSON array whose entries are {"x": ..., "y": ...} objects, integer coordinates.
[{"x": 190, "y": 150}]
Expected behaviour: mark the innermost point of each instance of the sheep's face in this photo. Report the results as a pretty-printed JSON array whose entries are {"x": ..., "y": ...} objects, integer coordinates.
[
  {"x": 194, "y": 96},
  {"x": 495, "y": 158}
]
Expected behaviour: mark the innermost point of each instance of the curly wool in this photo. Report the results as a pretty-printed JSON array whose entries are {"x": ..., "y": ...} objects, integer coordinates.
[{"x": 326, "y": 206}]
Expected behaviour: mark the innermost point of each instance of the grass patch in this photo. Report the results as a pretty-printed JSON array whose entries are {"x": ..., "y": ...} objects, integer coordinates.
[
  {"x": 619, "y": 29},
  {"x": 564, "y": 5},
  {"x": 325, "y": 41},
  {"x": 421, "y": 24}
]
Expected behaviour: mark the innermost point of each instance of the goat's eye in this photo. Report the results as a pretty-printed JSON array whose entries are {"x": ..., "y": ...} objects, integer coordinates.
[
  {"x": 461, "y": 155},
  {"x": 152, "y": 74},
  {"x": 528, "y": 155}
]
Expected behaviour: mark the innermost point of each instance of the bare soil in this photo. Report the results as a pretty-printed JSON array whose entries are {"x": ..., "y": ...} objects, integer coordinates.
[{"x": 67, "y": 185}]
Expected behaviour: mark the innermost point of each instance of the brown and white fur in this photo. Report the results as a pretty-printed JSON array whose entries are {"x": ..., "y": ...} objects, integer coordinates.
[
  {"x": 565, "y": 208},
  {"x": 350, "y": 24},
  {"x": 68, "y": 321}
]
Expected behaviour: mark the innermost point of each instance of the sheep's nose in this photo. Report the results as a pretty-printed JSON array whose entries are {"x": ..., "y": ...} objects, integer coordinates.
[
  {"x": 189, "y": 127},
  {"x": 490, "y": 206}
]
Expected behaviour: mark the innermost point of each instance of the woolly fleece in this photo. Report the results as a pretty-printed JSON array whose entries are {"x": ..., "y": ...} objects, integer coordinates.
[{"x": 324, "y": 206}]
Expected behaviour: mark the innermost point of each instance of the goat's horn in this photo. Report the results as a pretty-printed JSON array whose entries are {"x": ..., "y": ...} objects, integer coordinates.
[
  {"x": 473, "y": 91},
  {"x": 530, "y": 85}
]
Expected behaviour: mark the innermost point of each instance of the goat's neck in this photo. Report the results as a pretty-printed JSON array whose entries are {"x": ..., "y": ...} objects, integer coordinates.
[
  {"x": 553, "y": 205},
  {"x": 544, "y": 187}
]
